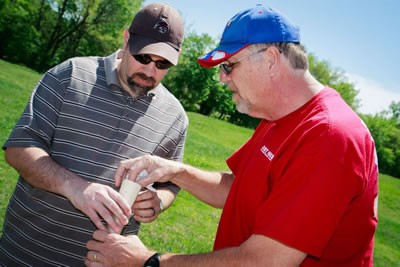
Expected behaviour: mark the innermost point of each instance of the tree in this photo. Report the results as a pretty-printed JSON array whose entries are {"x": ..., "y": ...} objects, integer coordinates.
[
  {"x": 334, "y": 78},
  {"x": 394, "y": 109},
  {"x": 192, "y": 84},
  {"x": 19, "y": 38},
  {"x": 387, "y": 141},
  {"x": 42, "y": 33}
]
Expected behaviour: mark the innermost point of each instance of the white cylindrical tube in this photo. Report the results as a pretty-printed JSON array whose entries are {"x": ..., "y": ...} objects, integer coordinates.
[{"x": 129, "y": 190}]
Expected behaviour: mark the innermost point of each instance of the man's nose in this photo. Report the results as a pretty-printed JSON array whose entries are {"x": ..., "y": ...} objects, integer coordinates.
[{"x": 149, "y": 69}]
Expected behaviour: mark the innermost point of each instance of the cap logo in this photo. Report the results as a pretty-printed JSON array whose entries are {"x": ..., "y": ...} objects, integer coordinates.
[
  {"x": 161, "y": 26},
  {"x": 217, "y": 55}
]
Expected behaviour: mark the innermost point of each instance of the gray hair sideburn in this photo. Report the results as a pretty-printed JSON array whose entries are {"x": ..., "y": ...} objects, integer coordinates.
[{"x": 294, "y": 52}]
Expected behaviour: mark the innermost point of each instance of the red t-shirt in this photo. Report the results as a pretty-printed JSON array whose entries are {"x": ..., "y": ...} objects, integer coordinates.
[{"x": 309, "y": 180}]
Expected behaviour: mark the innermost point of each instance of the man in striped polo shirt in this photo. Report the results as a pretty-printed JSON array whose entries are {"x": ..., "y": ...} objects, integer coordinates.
[{"x": 84, "y": 117}]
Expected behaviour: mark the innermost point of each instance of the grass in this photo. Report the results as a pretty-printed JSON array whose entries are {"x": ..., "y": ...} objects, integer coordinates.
[
  {"x": 189, "y": 226},
  {"x": 387, "y": 238},
  {"x": 16, "y": 83}
]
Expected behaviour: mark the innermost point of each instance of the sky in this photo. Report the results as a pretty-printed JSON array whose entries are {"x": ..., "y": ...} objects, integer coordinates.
[{"x": 360, "y": 38}]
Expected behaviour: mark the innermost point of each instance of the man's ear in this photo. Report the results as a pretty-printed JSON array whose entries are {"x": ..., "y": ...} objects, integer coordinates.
[
  {"x": 126, "y": 39},
  {"x": 274, "y": 59},
  {"x": 125, "y": 44}
]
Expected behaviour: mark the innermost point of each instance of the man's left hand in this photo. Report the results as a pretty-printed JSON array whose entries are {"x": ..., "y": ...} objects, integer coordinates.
[
  {"x": 147, "y": 207},
  {"x": 109, "y": 249}
]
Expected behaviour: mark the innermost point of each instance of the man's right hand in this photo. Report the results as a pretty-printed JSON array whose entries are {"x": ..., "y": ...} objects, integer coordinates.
[
  {"x": 210, "y": 187},
  {"x": 97, "y": 201},
  {"x": 159, "y": 170}
]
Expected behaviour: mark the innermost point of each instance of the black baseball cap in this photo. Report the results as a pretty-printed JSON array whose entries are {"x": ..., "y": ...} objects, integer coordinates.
[{"x": 157, "y": 29}]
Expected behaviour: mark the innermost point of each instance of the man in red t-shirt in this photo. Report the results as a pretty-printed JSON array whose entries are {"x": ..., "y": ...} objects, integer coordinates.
[{"x": 302, "y": 190}]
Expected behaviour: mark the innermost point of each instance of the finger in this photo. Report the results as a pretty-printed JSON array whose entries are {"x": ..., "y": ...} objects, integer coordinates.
[
  {"x": 145, "y": 219},
  {"x": 152, "y": 177},
  {"x": 90, "y": 263},
  {"x": 112, "y": 222},
  {"x": 110, "y": 211},
  {"x": 122, "y": 170},
  {"x": 118, "y": 206},
  {"x": 125, "y": 167},
  {"x": 100, "y": 235},
  {"x": 146, "y": 204},
  {"x": 137, "y": 168},
  {"x": 94, "y": 256},
  {"x": 159, "y": 171},
  {"x": 121, "y": 202},
  {"x": 93, "y": 245},
  {"x": 94, "y": 217},
  {"x": 147, "y": 212},
  {"x": 145, "y": 195}
]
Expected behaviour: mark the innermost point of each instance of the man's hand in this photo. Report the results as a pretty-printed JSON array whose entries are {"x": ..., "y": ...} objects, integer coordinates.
[
  {"x": 159, "y": 170},
  {"x": 97, "y": 200},
  {"x": 146, "y": 207},
  {"x": 115, "y": 250}
]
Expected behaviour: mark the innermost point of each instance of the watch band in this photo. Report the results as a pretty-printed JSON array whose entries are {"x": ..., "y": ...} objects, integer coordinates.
[{"x": 153, "y": 261}]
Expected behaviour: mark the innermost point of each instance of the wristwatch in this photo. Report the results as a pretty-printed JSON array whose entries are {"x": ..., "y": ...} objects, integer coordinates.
[{"x": 153, "y": 261}]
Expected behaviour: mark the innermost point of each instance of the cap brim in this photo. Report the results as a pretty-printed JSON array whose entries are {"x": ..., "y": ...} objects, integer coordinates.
[
  {"x": 220, "y": 54},
  {"x": 143, "y": 45}
]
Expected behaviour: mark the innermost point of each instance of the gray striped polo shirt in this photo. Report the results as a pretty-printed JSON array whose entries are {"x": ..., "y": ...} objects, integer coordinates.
[{"x": 79, "y": 114}]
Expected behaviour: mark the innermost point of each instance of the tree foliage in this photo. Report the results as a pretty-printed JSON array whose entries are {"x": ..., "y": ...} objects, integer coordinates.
[
  {"x": 385, "y": 130},
  {"x": 334, "y": 78},
  {"x": 42, "y": 33},
  {"x": 188, "y": 81},
  {"x": 394, "y": 113}
]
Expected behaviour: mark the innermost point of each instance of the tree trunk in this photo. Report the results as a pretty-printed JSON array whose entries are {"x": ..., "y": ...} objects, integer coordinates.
[
  {"x": 57, "y": 28},
  {"x": 40, "y": 15}
]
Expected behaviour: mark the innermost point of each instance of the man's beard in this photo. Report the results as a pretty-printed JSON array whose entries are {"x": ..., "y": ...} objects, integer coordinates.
[
  {"x": 137, "y": 88},
  {"x": 242, "y": 106}
]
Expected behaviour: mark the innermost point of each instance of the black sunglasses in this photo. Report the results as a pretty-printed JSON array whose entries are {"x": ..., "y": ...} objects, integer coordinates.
[
  {"x": 146, "y": 59},
  {"x": 227, "y": 68}
]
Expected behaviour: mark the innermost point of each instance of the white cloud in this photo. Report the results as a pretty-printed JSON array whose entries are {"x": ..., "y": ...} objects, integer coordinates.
[{"x": 374, "y": 96}]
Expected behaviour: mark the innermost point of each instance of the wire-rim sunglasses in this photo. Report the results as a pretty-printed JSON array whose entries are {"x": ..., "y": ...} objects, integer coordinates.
[{"x": 227, "y": 68}]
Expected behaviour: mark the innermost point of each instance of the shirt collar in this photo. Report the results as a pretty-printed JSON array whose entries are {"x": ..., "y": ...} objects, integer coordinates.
[{"x": 110, "y": 66}]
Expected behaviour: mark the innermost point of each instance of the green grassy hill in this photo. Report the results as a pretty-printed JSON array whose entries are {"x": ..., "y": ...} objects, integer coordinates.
[{"x": 189, "y": 226}]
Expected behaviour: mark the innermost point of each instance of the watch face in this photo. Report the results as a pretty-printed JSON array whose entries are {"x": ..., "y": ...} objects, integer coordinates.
[{"x": 151, "y": 263}]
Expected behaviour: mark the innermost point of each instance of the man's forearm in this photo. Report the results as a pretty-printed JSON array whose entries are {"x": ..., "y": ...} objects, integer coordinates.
[
  {"x": 167, "y": 197},
  {"x": 37, "y": 168},
  {"x": 224, "y": 257},
  {"x": 210, "y": 187},
  {"x": 94, "y": 200},
  {"x": 258, "y": 250}
]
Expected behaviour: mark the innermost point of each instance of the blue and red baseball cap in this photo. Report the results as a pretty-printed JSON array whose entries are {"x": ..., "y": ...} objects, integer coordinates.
[{"x": 251, "y": 26}]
